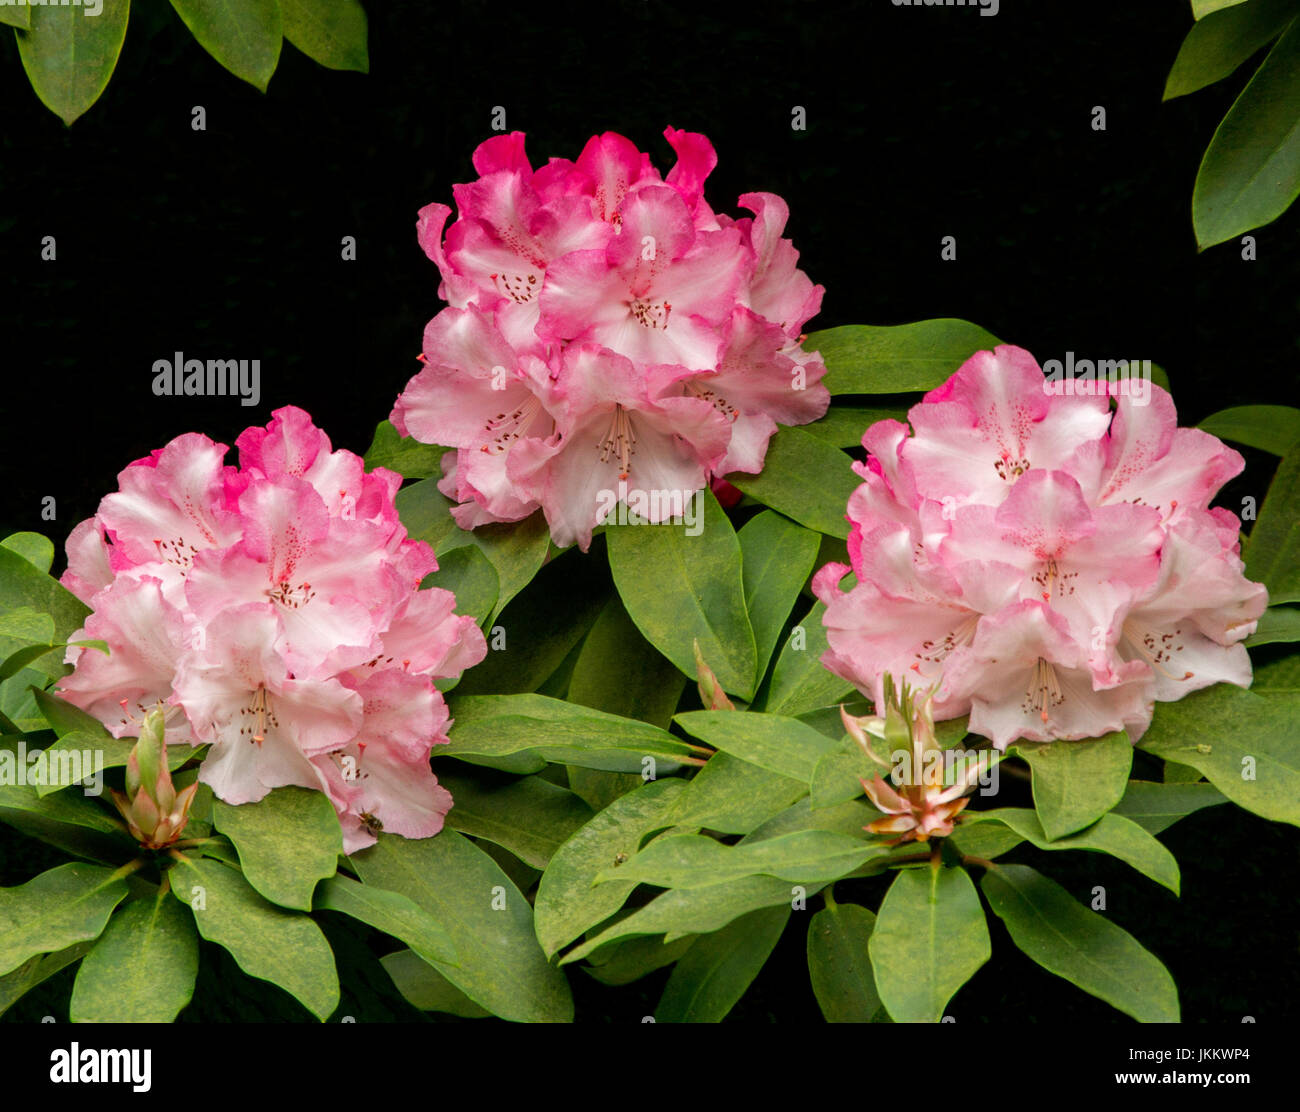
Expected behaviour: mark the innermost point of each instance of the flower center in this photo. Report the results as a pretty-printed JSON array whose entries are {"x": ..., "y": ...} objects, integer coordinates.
[
  {"x": 1044, "y": 691},
  {"x": 619, "y": 442},
  {"x": 1051, "y": 580},
  {"x": 729, "y": 411},
  {"x": 650, "y": 314},
  {"x": 257, "y": 716},
  {"x": 1157, "y": 649},
  {"x": 289, "y": 596},
  {"x": 520, "y": 288},
  {"x": 936, "y": 652},
  {"x": 1009, "y": 469},
  {"x": 176, "y": 552},
  {"x": 505, "y": 428}
]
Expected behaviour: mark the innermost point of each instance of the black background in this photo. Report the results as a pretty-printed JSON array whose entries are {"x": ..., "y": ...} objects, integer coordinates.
[{"x": 921, "y": 123}]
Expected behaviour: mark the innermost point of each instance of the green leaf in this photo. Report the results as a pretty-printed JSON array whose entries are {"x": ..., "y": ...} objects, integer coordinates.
[
  {"x": 1113, "y": 834},
  {"x": 625, "y": 962},
  {"x": 1082, "y": 946},
  {"x": 515, "y": 549},
  {"x": 684, "y": 861},
  {"x": 1155, "y": 807},
  {"x": 142, "y": 969},
  {"x": 733, "y": 796},
  {"x": 15, "y": 985},
  {"x": 424, "y": 509},
  {"x": 470, "y": 576},
  {"x": 679, "y": 589},
  {"x": 530, "y": 817},
  {"x": 36, "y": 549},
  {"x": 69, "y": 58},
  {"x": 532, "y": 636},
  {"x": 713, "y": 975},
  {"x": 930, "y": 938},
  {"x": 24, "y": 588},
  {"x": 16, "y": 17},
  {"x": 778, "y": 558},
  {"x": 268, "y": 942},
  {"x": 1246, "y": 745},
  {"x": 1271, "y": 428},
  {"x": 800, "y": 682},
  {"x": 520, "y": 733},
  {"x": 390, "y": 912},
  {"x": 897, "y": 359},
  {"x": 502, "y": 967},
  {"x": 1251, "y": 170},
  {"x": 1280, "y": 676},
  {"x": 677, "y": 913},
  {"x": 1219, "y": 44},
  {"x": 1276, "y": 624},
  {"x": 1272, "y": 551},
  {"x": 806, "y": 479},
  {"x": 988, "y": 840},
  {"x": 839, "y": 774},
  {"x": 620, "y": 672},
  {"x": 427, "y": 989},
  {"x": 839, "y": 964},
  {"x": 288, "y": 842},
  {"x": 26, "y": 624},
  {"x": 1202, "y": 8},
  {"x": 333, "y": 32},
  {"x": 403, "y": 454},
  {"x": 68, "y": 904},
  {"x": 1076, "y": 782},
  {"x": 243, "y": 35},
  {"x": 844, "y": 425},
  {"x": 850, "y": 817},
  {"x": 568, "y": 901},
  {"x": 771, "y": 741}
]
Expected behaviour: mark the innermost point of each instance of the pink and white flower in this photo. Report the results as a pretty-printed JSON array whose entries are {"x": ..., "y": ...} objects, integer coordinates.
[
  {"x": 274, "y": 611},
  {"x": 1039, "y": 560},
  {"x": 542, "y": 266}
]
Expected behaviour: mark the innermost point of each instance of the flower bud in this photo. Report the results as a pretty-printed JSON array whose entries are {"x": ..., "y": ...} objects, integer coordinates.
[{"x": 154, "y": 811}]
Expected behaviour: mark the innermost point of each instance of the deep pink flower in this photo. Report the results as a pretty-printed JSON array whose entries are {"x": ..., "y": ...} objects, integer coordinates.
[
  {"x": 1039, "y": 560},
  {"x": 274, "y": 611},
  {"x": 603, "y": 252}
]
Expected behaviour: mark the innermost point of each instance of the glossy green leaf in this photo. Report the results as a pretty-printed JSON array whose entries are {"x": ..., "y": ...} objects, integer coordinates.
[
  {"x": 800, "y": 682},
  {"x": 1113, "y": 834},
  {"x": 988, "y": 840},
  {"x": 427, "y": 989},
  {"x": 23, "y": 624},
  {"x": 66, "y": 905},
  {"x": 288, "y": 842},
  {"x": 243, "y": 35},
  {"x": 1076, "y": 782},
  {"x": 1202, "y": 8},
  {"x": 403, "y": 454},
  {"x": 839, "y": 774},
  {"x": 676, "y": 913},
  {"x": 568, "y": 901},
  {"x": 1083, "y": 946},
  {"x": 1276, "y": 624},
  {"x": 686, "y": 861},
  {"x": 501, "y": 965},
  {"x": 850, "y": 817},
  {"x": 35, "y": 970},
  {"x": 36, "y": 549},
  {"x": 713, "y": 974},
  {"x": 1156, "y": 807},
  {"x": 733, "y": 796},
  {"x": 679, "y": 589},
  {"x": 1271, "y": 428},
  {"x": 520, "y": 733},
  {"x": 771, "y": 741},
  {"x": 806, "y": 479},
  {"x": 423, "y": 508},
  {"x": 1217, "y": 45},
  {"x": 16, "y": 17},
  {"x": 897, "y": 359},
  {"x": 620, "y": 672},
  {"x": 142, "y": 969},
  {"x": 530, "y": 817},
  {"x": 930, "y": 938},
  {"x": 333, "y": 32},
  {"x": 1247, "y": 745},
  {"x": 1272, "y": 552},
  {"x": 24, "y": 588},
  {"x": 271, "y": 943},
  {"x": 844, "y": 425},
  {"x": 70, "y": 57},
  {"x": 625, "y": 962},
  {"x": 390, "y": 912},
  {"x": 515, "y": 549},
  {"x": 839, "y": 964},
  {"x": 470, "y": 576},
  {"x": 1251, "y": 170},
  {"x": 778, "y": 558}
]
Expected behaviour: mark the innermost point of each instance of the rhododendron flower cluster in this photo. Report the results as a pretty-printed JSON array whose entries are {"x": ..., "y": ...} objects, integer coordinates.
[
  {"x": 272, "y": 609},
  {"x": 608, "y": 337},
  {"x": 1039, "y": 560}
]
